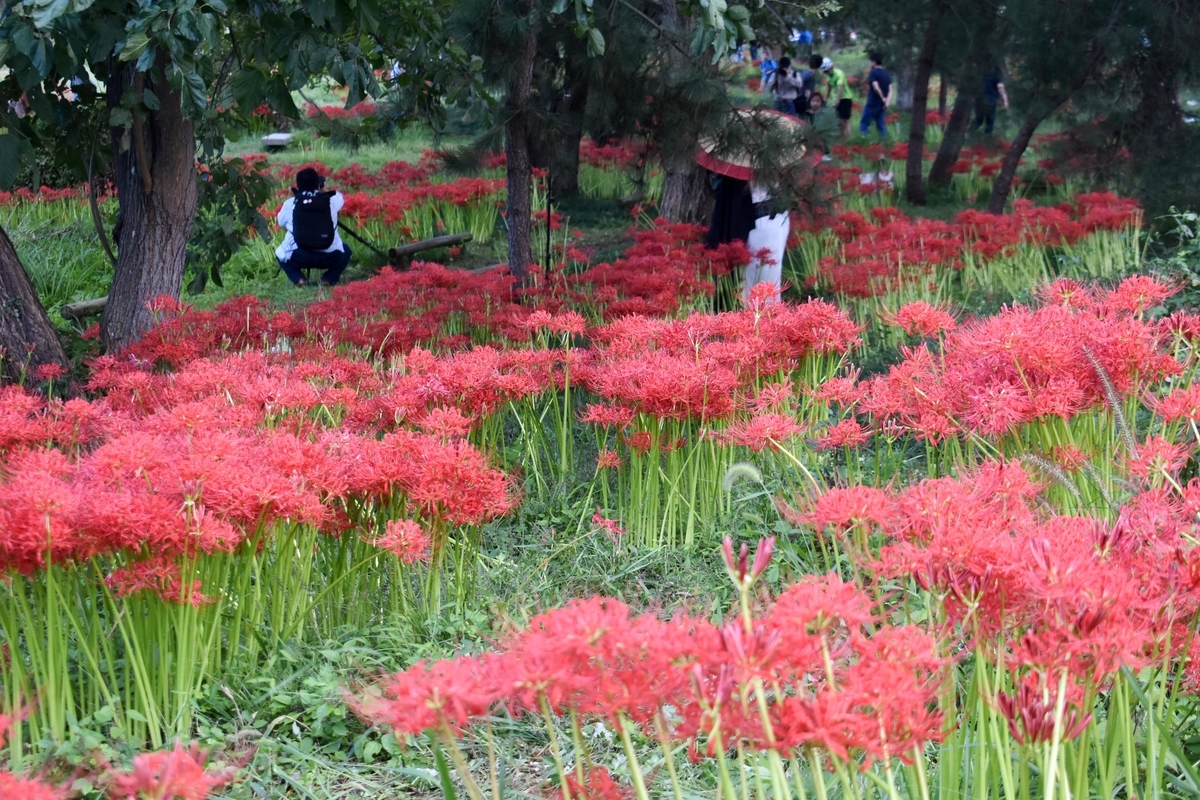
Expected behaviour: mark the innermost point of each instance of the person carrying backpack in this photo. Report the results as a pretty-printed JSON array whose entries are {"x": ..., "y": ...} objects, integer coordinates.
[
  {"x": 785, "y": 85},
  {"x": 310, "y": 222}
]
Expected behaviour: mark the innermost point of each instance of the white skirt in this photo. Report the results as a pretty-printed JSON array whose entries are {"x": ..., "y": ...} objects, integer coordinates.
[{"x": 769, "y": 238}]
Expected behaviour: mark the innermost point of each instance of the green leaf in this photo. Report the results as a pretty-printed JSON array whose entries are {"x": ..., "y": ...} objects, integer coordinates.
[
  {"x": 249, "y": 89},
  {"x": 197, "y": 284},
  {"x": 443, "y": 769},
  {"x": 44, "y": 14},
  {"x": 1164, "y": 730},
  {"x": 150, "y": 99},
  {"x": 280, "y": 98},
  {"x": 13, "y": 152},
  {"x": 197, "y": 91},
  {"x": 134, "y": 46},
  {"x": 596, "y": 41},
  {"x": 559, "y": 7},
  {"x": 216, "y": 276}
]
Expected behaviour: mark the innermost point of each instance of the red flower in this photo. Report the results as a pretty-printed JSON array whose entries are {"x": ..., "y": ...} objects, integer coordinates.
[
  {"x": 406, "y": 539},
  {"x": 177, "y": 774}
]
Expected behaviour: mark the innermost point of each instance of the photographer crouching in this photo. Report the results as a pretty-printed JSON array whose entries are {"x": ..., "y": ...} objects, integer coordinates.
[{"x": 310, "y": 222}]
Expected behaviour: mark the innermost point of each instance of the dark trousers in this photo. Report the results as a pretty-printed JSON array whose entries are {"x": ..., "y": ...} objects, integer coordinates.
[
  {"x": 333, "y": 263},
  {"x": 985, "y": 114},
  {"x": 876, "y": 114}
]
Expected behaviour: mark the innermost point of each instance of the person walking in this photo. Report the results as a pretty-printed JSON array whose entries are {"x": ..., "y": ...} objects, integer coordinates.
[
  {"x": 785, "y": 86},
  {"x": 309, "y": 219},
  {"x": 879, "y": 98},
  {"x": 990, "y": 94},
  {"x": 837, "y": 95}
]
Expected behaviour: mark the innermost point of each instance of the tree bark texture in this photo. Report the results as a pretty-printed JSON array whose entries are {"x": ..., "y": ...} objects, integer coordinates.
[
  {"x": 519, "y": 171},
  {"x": 953, "y": 137},
  {"x": 914, "y": 168},
  {"x": 966, "y": 87},
  {"x": 1012, "y": 159},
  {"x": 904, "y": 84},
  {"x": 27, "y": 338},
  {"x": 564, "y": 163},
  {"x": 156, "y": 188},
  {"x": 686, "y": 195}
]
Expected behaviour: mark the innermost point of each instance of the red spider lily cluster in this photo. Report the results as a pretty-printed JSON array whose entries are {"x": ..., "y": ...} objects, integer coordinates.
[
  {"x": 340, "y": 112},
  {"x": 178, "y": 774},
  {"x": 1061, "y": 359},
  {"x": 1063, "y": 602},
  {"x": 878, "y": 253},
  {"x": 619, "y": 155},
  {"x": 811, "y": 672}
]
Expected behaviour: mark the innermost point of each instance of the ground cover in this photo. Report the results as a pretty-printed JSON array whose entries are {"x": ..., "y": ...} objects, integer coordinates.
[{"x": 968, "y": 538}]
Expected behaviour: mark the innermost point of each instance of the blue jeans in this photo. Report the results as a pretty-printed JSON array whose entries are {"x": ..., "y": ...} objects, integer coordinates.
[
  {"x": 333, "y": 263},
  {"x": 785, "y": 106},
  {"x": 876, "y": 114}
]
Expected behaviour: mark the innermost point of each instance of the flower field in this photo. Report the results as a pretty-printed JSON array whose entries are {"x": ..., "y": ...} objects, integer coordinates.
[{"x": 939, "y": 507}]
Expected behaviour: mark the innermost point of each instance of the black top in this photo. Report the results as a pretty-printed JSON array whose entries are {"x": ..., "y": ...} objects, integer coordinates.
[{"x": 733, "y": 214}]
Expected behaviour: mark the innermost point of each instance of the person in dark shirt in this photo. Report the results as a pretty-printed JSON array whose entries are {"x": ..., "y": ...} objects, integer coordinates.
[
  {"x": 879, "y": 98},
  {"x": 985, "y": 104},
  {"x": 733, "y": 213}
]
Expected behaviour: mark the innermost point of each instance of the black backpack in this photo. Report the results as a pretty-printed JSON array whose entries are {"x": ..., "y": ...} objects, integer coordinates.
[{"x": 312, "y": 222}]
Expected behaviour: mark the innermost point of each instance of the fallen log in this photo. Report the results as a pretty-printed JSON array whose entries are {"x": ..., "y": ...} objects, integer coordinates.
[
  {"x": 401, "y": 255},
  {"x": 84, "y": 309}
]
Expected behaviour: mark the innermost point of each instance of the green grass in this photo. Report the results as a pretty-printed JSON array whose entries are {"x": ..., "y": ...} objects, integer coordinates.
[
  {"x": 405, "y": 145},
  {"x": 63, "y": 256}
]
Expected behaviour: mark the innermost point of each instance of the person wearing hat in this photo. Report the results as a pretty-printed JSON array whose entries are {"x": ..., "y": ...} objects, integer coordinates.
[
  {"x": 309, "y": 219},
  {"x": 837, "y": 95}
]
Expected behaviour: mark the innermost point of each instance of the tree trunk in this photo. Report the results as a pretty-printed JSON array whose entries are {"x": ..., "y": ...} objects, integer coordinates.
[
  {"x": 1012, "y": 159},
  {"x": 27, "y": 339},
  {"x": 564, "y": 164},
  {"x": 156, "y": 188},
  {"x": 942, "y": 91},
  {"x": 520, "y": 169},
  {"x": 904, "y": 84},
  {"x": 914, "y": 184},
  {"x": 952, "y": 139},
  {"x": 965, "y": 87},
  {"x": 686, "y": 196}
]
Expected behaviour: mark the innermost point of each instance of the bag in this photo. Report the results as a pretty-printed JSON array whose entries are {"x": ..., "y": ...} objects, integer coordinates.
[{"x": 312, "y": 221}]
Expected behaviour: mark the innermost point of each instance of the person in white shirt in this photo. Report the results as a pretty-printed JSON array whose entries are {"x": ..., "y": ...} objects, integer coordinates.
[{"x": 310, "y": 222}]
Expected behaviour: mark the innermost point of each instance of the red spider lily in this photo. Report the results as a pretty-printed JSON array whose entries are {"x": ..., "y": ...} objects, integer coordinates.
[
  {"x": 610, "y": 526},
  {"x": 846, "y": 433},
  {"x": 13, "y": 787},
  {"x": 178, "y": 774},
  {"x": 1031, "y": 717},
  {"x": 761, "y": 431},
  {"x": 162, "y": 577},
  {"x": 597, "y": 784},
  {"x": 406, "y": 539},
  {"x": 920, "y": 319},
  {"x": 608, "y": 459}
]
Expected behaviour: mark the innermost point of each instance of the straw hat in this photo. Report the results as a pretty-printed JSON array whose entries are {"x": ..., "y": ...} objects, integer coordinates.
[{"x": 751, "y": 127}]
